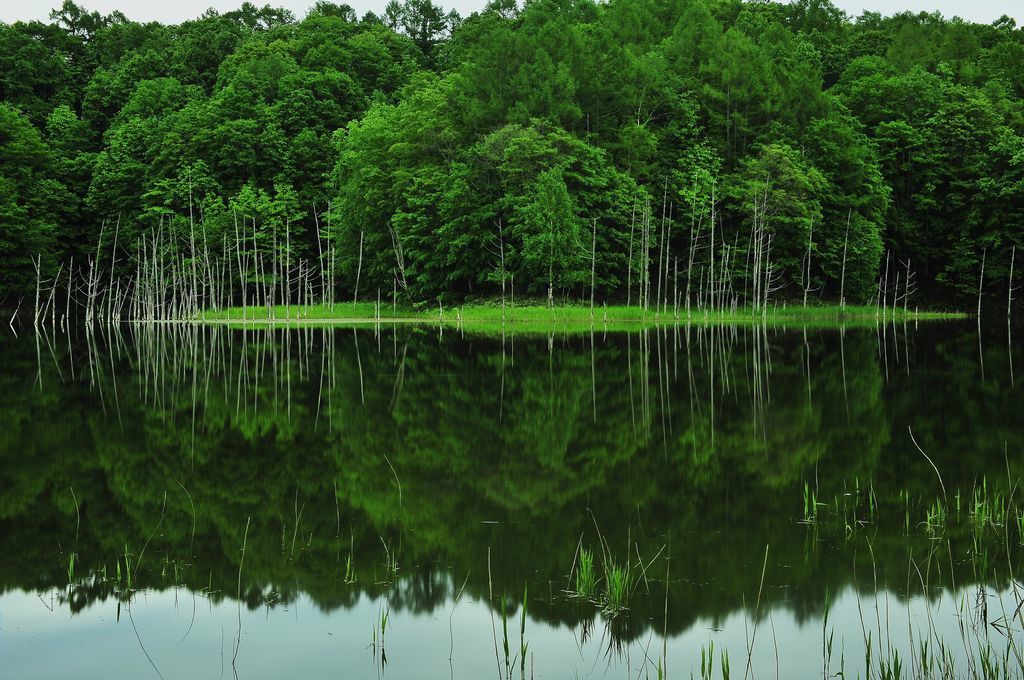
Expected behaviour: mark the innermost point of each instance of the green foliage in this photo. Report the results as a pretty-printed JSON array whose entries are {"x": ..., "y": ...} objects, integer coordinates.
[
  {"x": 880, "y": 139},
  {"x": 31, "y": 199},
  {"x": 786, "y": 192}
]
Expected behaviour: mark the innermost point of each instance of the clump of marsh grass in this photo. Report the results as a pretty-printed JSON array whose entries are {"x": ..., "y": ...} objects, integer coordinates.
[
  {"x": 348, "y": 573},
  {"x": 125, "y": 578},
  {"x": 504, "y": 629},
  {"x": 891, "y": 668},
  {"x": 935, "y": 519},
  {"x": 987, "y": 511},
  {"x": 524, "y": 646},
  {"x": 905, "y": 497},
  {"x": 173, "y": 569},
  {"x": 390, "y": 565},
  {"x": 618, "y": 580},
  {"x": 707, "y": 663},
  {"x": 586, "y": 577},
  {"x": 810, "y": 504},
  {"x": 380, "y": 628},
  {"x": 610, "y": 588}
]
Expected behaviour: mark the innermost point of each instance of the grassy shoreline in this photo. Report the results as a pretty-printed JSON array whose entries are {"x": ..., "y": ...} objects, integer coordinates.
[{"x": 540, "y": 317}]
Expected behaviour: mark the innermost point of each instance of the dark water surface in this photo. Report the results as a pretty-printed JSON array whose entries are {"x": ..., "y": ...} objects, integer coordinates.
[{"x": 185, "y": 502}]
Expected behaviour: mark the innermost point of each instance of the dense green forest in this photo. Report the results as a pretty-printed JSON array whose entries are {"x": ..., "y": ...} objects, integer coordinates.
[{"x": 702, "y": 142}]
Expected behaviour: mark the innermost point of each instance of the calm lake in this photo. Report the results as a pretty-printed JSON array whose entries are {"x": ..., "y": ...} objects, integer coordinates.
[{"x": 405, "y": 502}]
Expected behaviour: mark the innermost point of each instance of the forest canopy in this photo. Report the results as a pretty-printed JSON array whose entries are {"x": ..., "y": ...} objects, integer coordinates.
[{"x": 550, "y": 144}]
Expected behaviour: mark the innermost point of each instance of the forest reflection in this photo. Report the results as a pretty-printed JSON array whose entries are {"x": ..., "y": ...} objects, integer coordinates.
[{"x": 407, "y": 461}]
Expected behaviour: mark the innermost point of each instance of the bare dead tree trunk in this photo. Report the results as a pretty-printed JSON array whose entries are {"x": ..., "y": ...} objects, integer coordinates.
[
  {"x": 885, "y": 285},
  {"x": 211, "y": 283},
  {"x": 895, "y": 294},
  {"x": 711, "y": 276},
  {"x": 396, "y": 244},
  {"x": 192, "y": 249},
  {"x": 906, "y": 287},
  {"x": 320, "y": 253},
  {"x": 51, "y": 301},
  {"x": 629, "y": 261},
  {"x": 661, "y": 248},
  {"x": 68, "y": 301},
  {"x": 668, "y": 254},
  {"x": 113, "y": 258},
  {"x": 15, "y": 314},
  {"x": 675, "y": 290},
  {"x": 287, "y": 282},
  {"x": 807, "y": 272},
  {"x": 842, "y": 277},
  {"x": 1009, "y": 285},
  {"x": 241, "y": 271},
  {"x": 332, "y": 252},
  {"x": 981, "y": 280},
  {"x": 551, "y": 266},
  {"x": 646, "y": 285},
  {"x": 593, "y": 268},
  {"x": 35, "y": 317},
  {"x": 359, "y": 269},
  {"x": 695, "y": 224},
  {"x": 501, "y": 254}
]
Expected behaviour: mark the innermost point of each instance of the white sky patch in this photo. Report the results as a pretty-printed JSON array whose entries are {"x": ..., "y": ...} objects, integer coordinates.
[{"x": 980, "y": 11}]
